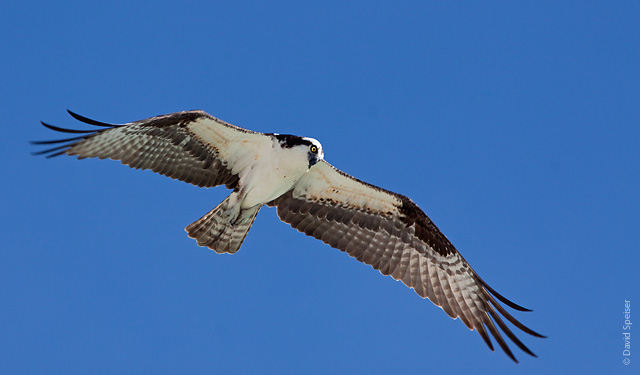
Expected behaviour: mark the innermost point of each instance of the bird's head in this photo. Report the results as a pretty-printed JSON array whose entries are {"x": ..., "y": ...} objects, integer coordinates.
[
  {"x": 315, "y": 151},
  {"x": 309, "y": 146}
]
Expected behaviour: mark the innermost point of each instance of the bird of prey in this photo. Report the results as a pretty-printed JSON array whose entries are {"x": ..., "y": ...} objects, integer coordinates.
[{"x": 385, "y": 230}]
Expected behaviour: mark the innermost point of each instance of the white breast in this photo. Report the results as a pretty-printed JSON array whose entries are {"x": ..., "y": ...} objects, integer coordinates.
[{"x": 272, "y": 173}]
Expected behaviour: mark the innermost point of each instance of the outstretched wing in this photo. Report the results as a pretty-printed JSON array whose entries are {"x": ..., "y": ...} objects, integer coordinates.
[
  {"x": 393, "y": 235},
  {"x": 190, "y": 146}
]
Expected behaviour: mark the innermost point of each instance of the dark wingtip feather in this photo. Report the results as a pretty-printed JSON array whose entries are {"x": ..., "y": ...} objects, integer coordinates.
[
  {"x": 503, "y": 299},
  {"x": 57, "y": 141},
  {"x": 63, "y": 148},
  {"x": 56, "y": 154},
  {"x": 89, "y": 121},
  {"x": 483, "y": 333},
  {"x": 72, "y": 140},
  {"x": 513, "y": 320},
  {"x": 510, "y": 334},
  {"x": 63, "y": 130},
  {"x": 496, "y": 335}
]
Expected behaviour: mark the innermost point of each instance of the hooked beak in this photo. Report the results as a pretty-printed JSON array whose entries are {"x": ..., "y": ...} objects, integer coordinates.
[{"x": 313, "y": 159}]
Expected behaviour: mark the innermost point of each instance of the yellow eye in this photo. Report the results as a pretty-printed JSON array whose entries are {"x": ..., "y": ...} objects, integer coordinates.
[{"x": 313, "y": 149}]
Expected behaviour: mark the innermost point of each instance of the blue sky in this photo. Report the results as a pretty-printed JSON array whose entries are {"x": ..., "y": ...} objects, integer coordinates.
[{"x": 514, "y": 125}]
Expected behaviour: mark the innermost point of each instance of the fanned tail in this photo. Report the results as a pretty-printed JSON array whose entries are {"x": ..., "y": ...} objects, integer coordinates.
[{"x": 221, "y": 230}]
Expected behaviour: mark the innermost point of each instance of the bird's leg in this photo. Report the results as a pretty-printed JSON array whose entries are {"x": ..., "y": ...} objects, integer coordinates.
[{"x": 232, "y": 210}]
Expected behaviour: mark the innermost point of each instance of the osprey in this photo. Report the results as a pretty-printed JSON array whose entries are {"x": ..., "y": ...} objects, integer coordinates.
[{"x": 385, "y": 230}]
